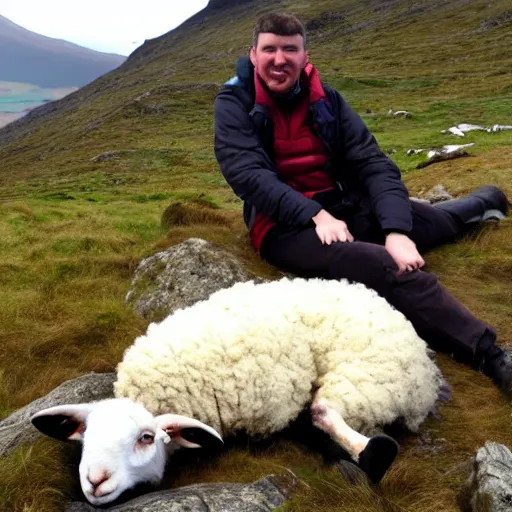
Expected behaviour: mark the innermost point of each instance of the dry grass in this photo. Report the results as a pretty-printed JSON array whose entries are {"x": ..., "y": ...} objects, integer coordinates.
[{"x": 180, "y": 214}]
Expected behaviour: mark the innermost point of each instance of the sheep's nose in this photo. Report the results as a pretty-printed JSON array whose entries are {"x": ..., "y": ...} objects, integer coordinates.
[{"x": 96, "y": 478}]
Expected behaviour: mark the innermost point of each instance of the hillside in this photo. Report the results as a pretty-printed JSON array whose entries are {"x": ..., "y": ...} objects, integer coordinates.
[
  {"x": 47, "y": 62},
  {"x": 74, "y": 226},
  {"x": 433, "y": 52}
]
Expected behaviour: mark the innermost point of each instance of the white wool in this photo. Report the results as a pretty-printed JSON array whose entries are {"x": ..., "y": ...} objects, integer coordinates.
[{"x": 252, "y": 356}]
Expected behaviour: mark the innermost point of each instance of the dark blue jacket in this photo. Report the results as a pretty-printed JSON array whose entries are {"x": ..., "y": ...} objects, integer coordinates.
[{"x": 244, "y": 150}]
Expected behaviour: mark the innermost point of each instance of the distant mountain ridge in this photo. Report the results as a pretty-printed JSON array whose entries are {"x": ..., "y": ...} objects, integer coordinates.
[
  {"x": 355, "y": 45},
  {"x": 47, "y": 62}
]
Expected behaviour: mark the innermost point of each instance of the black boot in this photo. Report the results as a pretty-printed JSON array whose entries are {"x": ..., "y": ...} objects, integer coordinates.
[
  {"x": 497, "y": 364},
  {"x": 377, "y": 457},
  {"x": 485, "y": 203}
]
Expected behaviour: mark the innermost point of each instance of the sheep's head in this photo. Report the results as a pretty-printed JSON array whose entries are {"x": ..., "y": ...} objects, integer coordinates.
[{"x": 123, "y": 443}]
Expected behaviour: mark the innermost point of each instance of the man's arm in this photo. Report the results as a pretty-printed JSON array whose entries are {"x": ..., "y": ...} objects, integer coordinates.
[
  {"x": 380, "y": 178},
  {"x": 377, "y": 174},
  {"x": 248, "y": 169}
]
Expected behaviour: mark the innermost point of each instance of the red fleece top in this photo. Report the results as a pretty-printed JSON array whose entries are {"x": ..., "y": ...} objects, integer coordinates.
[{"x": 300, "y": 156}]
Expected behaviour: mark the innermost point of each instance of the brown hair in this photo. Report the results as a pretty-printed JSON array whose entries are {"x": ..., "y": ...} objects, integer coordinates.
[{"x": 278, "y": 23}]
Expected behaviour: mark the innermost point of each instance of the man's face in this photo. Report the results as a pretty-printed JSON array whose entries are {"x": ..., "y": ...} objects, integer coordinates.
[{"x": 279, "y": 60}]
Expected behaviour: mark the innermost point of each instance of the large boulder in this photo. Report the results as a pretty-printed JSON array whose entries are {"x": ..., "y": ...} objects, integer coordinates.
[
  {"x": 181, "y": 276},
  {"x": 17, "y": 429},
  {"x": 489, "y": 487},
  {"x": 263, "y": 495}
]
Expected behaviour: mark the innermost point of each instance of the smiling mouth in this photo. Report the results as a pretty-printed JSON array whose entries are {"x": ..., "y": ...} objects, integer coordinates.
[{"x": 278, "y": 75}]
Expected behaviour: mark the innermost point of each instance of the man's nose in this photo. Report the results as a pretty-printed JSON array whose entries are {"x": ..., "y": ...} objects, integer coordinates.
[{"x": 280, "y": 58}]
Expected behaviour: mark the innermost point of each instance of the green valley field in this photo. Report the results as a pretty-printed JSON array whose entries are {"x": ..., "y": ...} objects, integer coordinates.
[
  {"x": 17, "y": 98},
  {"x": 73, "y": 228}
]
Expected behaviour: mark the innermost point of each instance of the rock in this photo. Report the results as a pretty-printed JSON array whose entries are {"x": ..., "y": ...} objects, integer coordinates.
[
  {"x": 324, "y": 20},
  {"x": 403, "y": 113},
  {"x": 142, "y": 96},
  {"x": 454, "y": 130},
  {"x": 504, "y": 18},
  {"x": 463, "y": 128},
  {"x": 181, "y": 276},
  {"x": 489, "y": 487},
  {"x": 263, "y": 495},
  {"x": 437, "y": 194},
  {"x": 466, "y": 127},
  {"x": 108, "y": 155},
  {"x": 445, "y": 150},
  {"x": 495, "y": 128},
  {"x": 450, "y": 149},
  {"x": 413, "y": 151},
  {"x": 17, "y": 429},
  {"x": 153, "y": 108},
  {"x": 445, "y": 153}
]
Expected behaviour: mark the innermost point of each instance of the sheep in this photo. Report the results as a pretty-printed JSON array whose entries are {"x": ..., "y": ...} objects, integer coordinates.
[{"x": 251, "y": 358}]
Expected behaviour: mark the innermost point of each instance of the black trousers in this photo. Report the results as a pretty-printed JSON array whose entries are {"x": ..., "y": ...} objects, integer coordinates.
[{"x": 440, "y": 319}]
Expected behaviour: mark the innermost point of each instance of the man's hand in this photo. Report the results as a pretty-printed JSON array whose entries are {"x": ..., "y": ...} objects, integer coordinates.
[
  {"x": 404, "y": 252},
  {"x": 330, "y": 229}
]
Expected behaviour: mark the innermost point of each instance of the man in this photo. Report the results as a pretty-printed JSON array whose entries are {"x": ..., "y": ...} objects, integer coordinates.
[{"x": 322, "y": 200}]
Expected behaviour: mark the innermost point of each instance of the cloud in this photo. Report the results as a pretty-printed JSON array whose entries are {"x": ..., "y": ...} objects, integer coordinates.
[{"x": 115, "y": 26}]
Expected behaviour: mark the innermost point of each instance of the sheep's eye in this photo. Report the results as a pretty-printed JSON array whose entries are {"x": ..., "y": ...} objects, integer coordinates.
[{"x": 147, "y": 438}]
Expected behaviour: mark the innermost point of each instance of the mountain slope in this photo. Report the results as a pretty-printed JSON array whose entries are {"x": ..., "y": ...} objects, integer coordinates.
[
  {"x": 32, "y": 58},
  {"x": 454, "y": 48}
]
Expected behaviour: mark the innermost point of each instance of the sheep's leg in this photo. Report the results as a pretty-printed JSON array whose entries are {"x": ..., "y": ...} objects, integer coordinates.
[
  {"x": 373, "y": 455},
  {"x": 330, "y": 421}
]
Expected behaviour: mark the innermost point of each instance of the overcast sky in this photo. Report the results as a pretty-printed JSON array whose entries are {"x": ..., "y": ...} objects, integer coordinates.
[{"x": 114, "y": 26}]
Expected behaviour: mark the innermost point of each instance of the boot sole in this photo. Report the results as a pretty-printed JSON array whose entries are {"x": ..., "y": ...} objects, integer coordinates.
[{"x": 487, "y": 215}]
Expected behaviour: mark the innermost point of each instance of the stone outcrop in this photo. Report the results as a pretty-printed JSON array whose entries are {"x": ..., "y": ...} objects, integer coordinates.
[
  {"x": 489, "y": 487},
  {"x": 263, "y": 495},
  {"x": 17, "y": 429},
  {"x": 181, "y": 276}
]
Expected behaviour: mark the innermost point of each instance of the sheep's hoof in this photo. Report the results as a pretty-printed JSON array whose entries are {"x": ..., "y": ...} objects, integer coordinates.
[{"x": 377, "y": 457}]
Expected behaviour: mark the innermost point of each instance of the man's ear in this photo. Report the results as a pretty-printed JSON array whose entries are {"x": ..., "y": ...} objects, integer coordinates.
[
  {"x": 306, "y": 59},
  {"x": 252, "y": 55},
  {"x": 63, "y": 422}
]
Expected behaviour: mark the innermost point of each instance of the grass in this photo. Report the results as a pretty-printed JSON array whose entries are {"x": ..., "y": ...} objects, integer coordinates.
[{"x": 73, "y": 227}]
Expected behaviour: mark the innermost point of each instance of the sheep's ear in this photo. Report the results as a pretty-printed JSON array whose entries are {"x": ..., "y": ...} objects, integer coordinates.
[
  {"x": 188, "y": 432},
  {"x": 63, "y": 422}
]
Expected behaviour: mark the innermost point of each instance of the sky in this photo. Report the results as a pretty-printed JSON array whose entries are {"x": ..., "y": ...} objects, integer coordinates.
[{"x": 112, "y": 26}]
